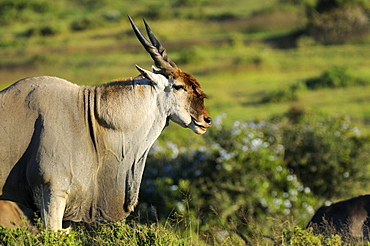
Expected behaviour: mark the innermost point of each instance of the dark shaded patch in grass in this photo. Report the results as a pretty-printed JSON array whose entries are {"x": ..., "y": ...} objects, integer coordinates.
[
  {"x": 223, "y": 17},
  {"x": 334, "y": 77},
  {"x": 282, "y": 94},
  {"x": 285, "y": 41}
]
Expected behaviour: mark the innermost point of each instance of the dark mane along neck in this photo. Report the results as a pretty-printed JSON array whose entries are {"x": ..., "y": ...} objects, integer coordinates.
[
  {"x": 118, "y": 83},
  {"x": 121, "y": 98},
  {"x": 127, "y": 83}
]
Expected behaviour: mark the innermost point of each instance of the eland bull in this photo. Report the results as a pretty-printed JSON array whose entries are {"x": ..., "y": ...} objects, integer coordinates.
[
  {"x": 349, "y": 218},
  {"x": 77, "y": 153}
]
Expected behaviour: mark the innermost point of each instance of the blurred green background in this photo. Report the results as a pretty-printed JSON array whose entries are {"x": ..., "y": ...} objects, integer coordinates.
[
  {"x": 240, "y": 51},
  {"x": 292, "y": 76}
]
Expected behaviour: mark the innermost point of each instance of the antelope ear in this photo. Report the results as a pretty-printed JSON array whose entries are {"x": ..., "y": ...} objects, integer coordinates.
[{"x": 157, "y": 78}]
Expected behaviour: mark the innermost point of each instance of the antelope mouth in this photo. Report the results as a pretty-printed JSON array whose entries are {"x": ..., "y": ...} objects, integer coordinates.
[
  {"x": 196, "y": 127},
  {"x": 195, "y": 123}
]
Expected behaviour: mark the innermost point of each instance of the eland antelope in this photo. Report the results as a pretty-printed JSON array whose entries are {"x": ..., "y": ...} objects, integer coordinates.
[{"x": 77, "y": 153}]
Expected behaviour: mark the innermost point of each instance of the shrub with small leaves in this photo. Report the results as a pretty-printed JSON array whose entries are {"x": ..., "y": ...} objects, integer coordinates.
[
  {"x": 254, "y": 170},
  {"x": 282, "y": 94},
  {"x": 337, "y": 21},
  {"x": 86, "y": 22},
  {"x": 334, "y": 77},
  {"x": 327, "y": 154},
  {"x": 301, "y": 237},
  {"x": 240, "y": 175}
]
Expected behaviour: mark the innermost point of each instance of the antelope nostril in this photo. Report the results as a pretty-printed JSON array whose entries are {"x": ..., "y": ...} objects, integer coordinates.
[{"x": 208, "y": 120}]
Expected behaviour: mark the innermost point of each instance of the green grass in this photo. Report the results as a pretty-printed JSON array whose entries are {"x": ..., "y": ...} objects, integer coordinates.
[{"x": 132, "y": 234}]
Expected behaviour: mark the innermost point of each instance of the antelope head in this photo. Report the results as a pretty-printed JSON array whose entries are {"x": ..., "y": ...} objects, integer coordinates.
[{"x": 183, "y": 91}]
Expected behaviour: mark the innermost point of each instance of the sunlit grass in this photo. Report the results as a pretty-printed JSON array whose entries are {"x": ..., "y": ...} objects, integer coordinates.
[{"x": 235, "y": 86}]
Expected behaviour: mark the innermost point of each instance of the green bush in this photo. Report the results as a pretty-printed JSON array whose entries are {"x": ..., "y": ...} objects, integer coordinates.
[
  {"x": 49, "y": 30},
  {"x": 327, "y": 5},
  {"x": 333, "y": 78},
  {"x": 328, "y": 155},
  {"x": 86, "y": 22},
  {"x": 44, "y": 30},
  {"x": 190, "y": 56},
  {"x": 336, "y": 21},
  {"x": 282, "y": 95},
  {"x": 301, "y": 237},
  {"x": 90, "y": 4},
  {"x": 298, "y": 2},
  {"x": 16, "y": 10},
  {"x": 158, "y": 10},
  {"x": 240, "y": 176},
  {"x": 256, "y": 170}
]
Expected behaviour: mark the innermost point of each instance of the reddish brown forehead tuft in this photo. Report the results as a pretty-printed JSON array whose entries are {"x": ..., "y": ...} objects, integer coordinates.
[{"x": 190, "y": 81}]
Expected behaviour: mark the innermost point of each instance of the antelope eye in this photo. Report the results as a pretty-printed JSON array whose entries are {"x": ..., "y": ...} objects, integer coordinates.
[{"x": 178, "y": 87}]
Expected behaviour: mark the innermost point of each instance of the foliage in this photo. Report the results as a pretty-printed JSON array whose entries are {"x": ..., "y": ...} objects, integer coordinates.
[
  {"x": 18, "y": 10},
  {"x": 282, "y": 94},
  {"x": 190, "y": 55},
  {"x": 327, "y": 154},
  {"x": 20, "y": 236},
  {"x": 337, "y": 21},
  {"x": 85, "y": 23},
  {"x": 157, "y": 10},
  {"x": 256, "y": 169},
  {"x": 327, "y": 5},
  {"x": 240, "y": 176},
  {"x": 122, "y": 233},
  {"x": 42, "y": 30},
  {"x": 300, "y": 237},
  {"x": 134, "y": 234},
  {"x": 90, "y": 4},
  {"x": 102, "y": 233},
  {"x": 333, "y": 78},
  {"x": 298, "y": 2}
]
